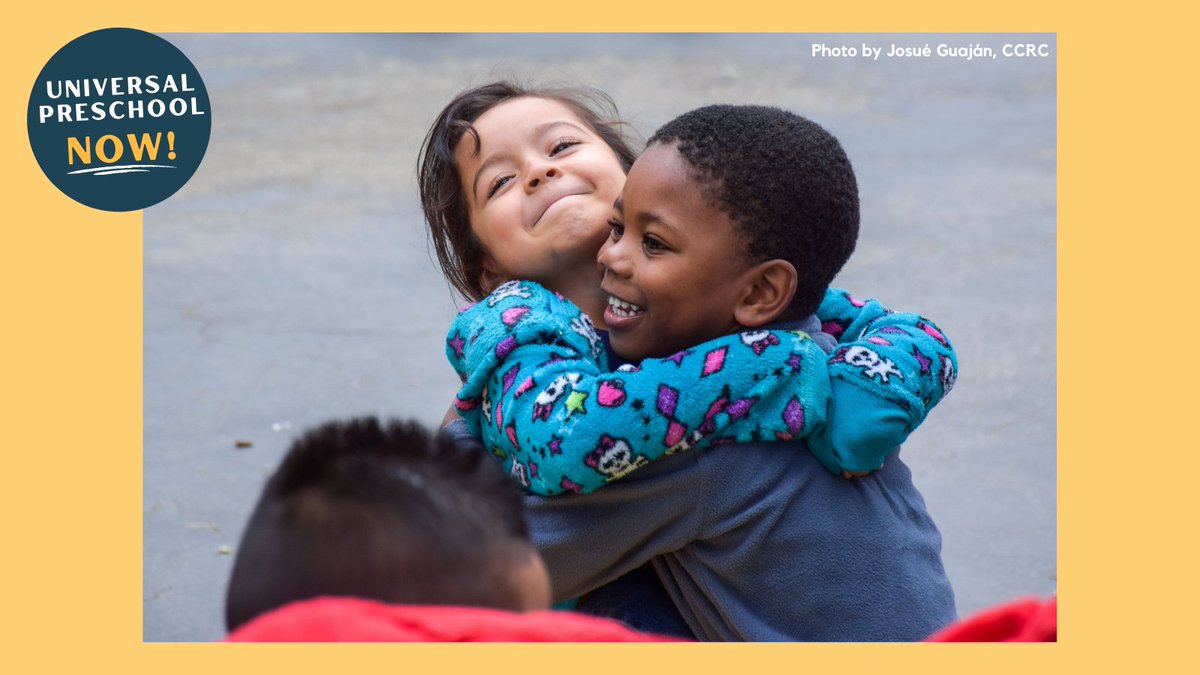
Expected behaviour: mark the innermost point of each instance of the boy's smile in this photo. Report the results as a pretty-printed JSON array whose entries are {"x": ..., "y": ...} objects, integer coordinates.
[{"x": 674, "y": 266}]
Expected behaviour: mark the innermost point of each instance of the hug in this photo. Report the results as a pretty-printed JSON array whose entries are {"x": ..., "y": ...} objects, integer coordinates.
[{"x": 695, "y": 435}]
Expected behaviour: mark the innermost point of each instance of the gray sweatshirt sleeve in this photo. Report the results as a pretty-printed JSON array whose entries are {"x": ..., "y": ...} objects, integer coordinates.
[{"x": 588, "y": 540}]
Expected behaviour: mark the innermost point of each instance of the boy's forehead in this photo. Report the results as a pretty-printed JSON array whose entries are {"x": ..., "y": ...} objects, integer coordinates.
[
  {"x": 663, "y": 170},
  {"x": 664, "y": 187}
]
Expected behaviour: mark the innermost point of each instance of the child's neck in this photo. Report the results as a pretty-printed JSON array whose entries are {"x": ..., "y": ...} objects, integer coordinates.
[{"x": 584, "y": 291}]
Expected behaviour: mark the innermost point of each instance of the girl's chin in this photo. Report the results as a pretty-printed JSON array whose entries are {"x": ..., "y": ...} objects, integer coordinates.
[
  {"x": 579, "y": 266},
  {"x": 584, "y": 230}
]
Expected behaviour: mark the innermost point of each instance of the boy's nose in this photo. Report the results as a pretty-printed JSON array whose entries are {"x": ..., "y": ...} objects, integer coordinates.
[
  {"x": 612, "y": 257},
  {"x": 540, "y": 174}
]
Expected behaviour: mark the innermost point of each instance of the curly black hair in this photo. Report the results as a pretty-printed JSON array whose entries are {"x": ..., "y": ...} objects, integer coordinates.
[
  {"x": 385, "y": 512},
  {"x": 784, "y": 181}
]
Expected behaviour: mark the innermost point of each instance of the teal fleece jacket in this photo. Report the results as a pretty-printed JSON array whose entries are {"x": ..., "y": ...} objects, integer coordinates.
[{"x": 539, "y": 393}]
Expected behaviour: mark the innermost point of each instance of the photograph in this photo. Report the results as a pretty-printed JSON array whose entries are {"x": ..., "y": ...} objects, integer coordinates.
[{"x": 829, "y": 246}]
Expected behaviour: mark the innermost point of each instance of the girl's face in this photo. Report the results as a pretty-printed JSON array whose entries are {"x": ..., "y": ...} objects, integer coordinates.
[{"x": 539, "y": 191}]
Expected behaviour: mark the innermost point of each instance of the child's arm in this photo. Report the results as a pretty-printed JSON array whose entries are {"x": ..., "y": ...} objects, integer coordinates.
[
  {"x": 536, "y": 391},
  {"x": 889, "y": 370}
]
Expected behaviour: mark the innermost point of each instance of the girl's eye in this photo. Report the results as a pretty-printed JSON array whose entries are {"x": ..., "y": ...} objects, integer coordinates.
[
  {"x": 497, "y": 184},
  {"x": 653, "y": 244},
  {"x": 562, "y": 144},
  {"x": 618, "y": 228}
]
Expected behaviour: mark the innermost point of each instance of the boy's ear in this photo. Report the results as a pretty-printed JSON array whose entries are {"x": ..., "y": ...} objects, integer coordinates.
[{"x": 770, "y": 287}]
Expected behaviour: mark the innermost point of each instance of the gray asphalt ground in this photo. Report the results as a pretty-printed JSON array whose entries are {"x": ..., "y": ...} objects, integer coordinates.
[{"x": 289, "y": 282}]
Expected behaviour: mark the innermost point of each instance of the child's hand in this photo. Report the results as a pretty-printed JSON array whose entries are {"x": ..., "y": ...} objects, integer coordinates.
[{"x": 861, "y": 429}]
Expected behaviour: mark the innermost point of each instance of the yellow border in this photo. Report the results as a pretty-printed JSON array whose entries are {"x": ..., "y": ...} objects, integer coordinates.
[{"x": 72, "y": 356}]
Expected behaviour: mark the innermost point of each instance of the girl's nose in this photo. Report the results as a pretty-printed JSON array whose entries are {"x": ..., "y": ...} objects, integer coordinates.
[{"x": 540, "y": 174}]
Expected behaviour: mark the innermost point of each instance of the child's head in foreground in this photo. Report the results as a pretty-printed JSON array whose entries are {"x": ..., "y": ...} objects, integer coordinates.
[
  {"x": 734, "y": 216},
  {"x": 387, "y": 513},
  {"x": 517, "y": 183}
]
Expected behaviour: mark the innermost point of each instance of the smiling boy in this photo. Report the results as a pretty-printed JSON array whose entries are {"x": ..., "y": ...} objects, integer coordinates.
[
  {"x": 738, "y": 217},
  {"x": 732, "y": 223},
  {"x": 701, "y": 249},
  {"x": 677, "y": 271}
]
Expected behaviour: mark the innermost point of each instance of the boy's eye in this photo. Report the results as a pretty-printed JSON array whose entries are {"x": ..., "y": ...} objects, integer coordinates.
[
  {"x": 653, "y": 244},
  {"x": 562, "y": 144},
  {"x": 618, "y": 228},
  {"x": 497, "y": 184}
]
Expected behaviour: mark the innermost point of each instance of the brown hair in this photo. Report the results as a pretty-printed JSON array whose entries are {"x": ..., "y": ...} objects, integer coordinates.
[{"x": 458, "y": 250}]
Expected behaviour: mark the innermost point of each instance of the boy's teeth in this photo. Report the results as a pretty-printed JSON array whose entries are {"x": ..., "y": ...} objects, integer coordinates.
[{"x": 622, "y": 308}]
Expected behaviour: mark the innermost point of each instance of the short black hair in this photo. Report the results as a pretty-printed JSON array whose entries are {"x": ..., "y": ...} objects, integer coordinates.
[
  {"x": 784, "y": 181},
  {"x": 459, "y": 252},
  {"x": 384, "y": 512}
]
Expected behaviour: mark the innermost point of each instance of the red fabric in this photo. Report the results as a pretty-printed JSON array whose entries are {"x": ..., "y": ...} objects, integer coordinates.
[
  {"x": 1025, "y": 620},
  {"x": 355, "y": 620}
]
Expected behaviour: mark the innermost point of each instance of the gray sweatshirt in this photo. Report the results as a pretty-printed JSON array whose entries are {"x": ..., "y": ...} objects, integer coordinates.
[{"x": 758, "y": 542}]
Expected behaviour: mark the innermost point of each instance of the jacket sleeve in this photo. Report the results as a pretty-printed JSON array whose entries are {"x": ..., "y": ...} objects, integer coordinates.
[
  {"x": 887, "y": 372},
  {"x": 536, "y": 392},
  {"x": 588, "y": 540}
]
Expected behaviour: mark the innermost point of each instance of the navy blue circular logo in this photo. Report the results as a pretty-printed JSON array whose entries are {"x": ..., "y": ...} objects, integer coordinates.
[{"x": 119, "y": 119}]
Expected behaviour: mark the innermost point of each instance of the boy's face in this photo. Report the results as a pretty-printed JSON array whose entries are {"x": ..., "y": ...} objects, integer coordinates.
[
  {"x": 539, "y": 191},
  {"x": 674, "y": 257}
]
